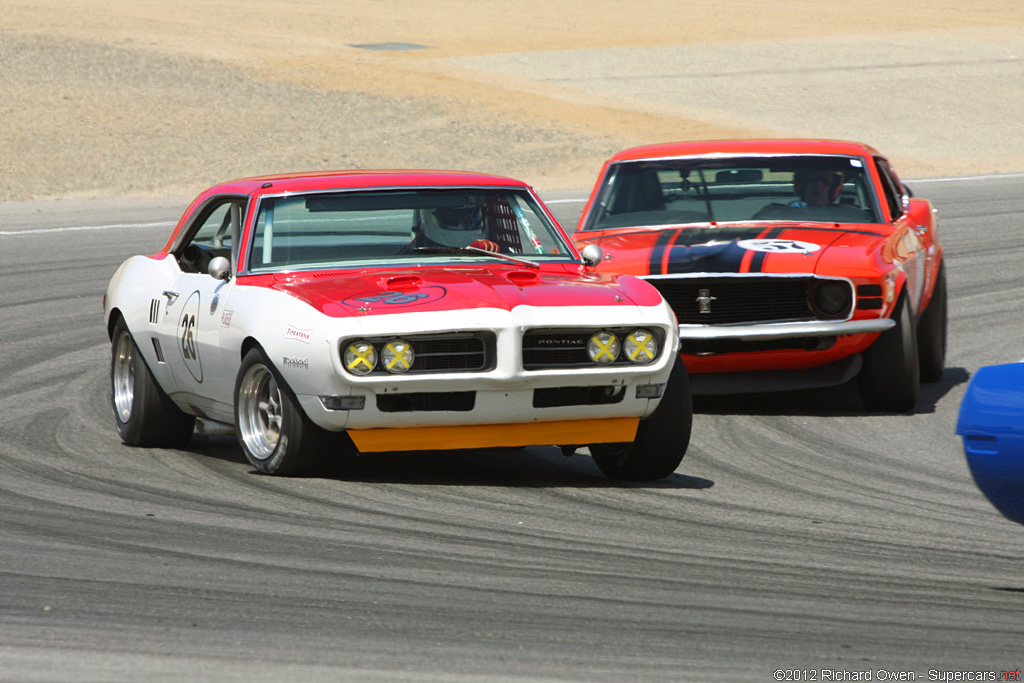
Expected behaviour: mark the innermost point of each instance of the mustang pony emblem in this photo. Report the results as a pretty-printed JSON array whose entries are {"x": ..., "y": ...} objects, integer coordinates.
[{"x": 704, "y": 300}]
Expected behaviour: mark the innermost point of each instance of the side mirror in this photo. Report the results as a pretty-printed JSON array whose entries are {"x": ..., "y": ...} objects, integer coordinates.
[
  {"x": 220, "y": 268},
  {"x": 905, "y": 203},
  {"x": 592, "y": 255}
]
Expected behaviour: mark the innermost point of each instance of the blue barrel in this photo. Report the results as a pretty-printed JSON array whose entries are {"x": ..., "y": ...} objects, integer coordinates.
[{"x": 992, "y": 426}]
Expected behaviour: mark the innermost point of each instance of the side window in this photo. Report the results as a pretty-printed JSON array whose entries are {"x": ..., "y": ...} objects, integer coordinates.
[
  {"x": 534, "y": 235},
  {"x": 215, "y": 232},
  {"x": 891, "y": 188},
  {"x": 213, "y": 238}
]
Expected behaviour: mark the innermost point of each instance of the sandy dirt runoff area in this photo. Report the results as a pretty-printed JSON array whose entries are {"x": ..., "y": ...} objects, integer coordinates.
[{"x": 120, "y": 98}]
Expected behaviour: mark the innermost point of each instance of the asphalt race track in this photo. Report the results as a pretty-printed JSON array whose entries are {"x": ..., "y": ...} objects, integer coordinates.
[{"x": 799, "y": 533}]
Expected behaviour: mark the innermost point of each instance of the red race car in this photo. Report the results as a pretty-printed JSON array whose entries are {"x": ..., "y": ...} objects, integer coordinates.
[{"x": 790, "y": 264}]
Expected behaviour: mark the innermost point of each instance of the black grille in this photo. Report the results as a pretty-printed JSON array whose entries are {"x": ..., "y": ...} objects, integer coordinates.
[
  {"x": 737, "y": 299},
  {"x": 452, "y": 352},
  {"x": 554, "y": 348},
  {"x": 550, "y": 349},
  {"x": 445, "y": 354}
]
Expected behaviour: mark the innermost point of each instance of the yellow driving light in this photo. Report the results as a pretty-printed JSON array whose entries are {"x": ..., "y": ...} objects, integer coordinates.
[
  {"x": 641, "y": 347},
  {"x": 603, "y": 348},
  {"x": 397, "y": 356},
  {"x": 360, "y": 357}
]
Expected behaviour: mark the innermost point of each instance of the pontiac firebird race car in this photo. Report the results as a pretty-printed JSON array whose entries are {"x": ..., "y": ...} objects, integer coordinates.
[
  {"x": 390, "y": 311},
  {"x": 789, "y": 263}
]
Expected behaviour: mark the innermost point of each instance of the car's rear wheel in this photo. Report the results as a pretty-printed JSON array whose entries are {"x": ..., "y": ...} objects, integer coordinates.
[
  {"x": 276, "y": 435},
  {"x": 661, "y": 439},
  {"x": 931, "y": 332},
  {"x": 143, "y": 413},
  {"x": 890, "y": 378}
]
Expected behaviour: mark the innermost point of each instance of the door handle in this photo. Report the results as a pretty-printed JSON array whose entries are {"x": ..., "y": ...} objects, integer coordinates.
[{"x": 171, "y": 296}]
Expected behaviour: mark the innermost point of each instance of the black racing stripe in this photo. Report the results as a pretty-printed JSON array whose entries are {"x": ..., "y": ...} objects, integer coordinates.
[
  {"x": 717, "y": 257},
  {"x": 757, "y": 262},
  {"x": 658, "y": 251}
]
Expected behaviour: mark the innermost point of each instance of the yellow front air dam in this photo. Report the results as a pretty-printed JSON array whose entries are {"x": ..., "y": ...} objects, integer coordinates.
[{"x": 564, "y": 433}]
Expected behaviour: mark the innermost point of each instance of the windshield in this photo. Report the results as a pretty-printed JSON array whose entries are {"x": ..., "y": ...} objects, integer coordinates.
[
  {"x": 699, "y": 190},
  {"x": 356, "y": 229}
]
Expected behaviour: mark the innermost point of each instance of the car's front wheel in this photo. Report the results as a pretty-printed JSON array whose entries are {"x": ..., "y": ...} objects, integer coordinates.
[
  {"x": 143, "y": 414},
  {"x": 661, "y": 439},
  {"x": 890, "y": 379},
  {"x": 276, "y": 436},
  {"x": 931, "y": 332}
]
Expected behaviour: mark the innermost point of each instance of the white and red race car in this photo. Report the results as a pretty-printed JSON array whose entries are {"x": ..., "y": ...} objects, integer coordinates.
[{"x": 329, "y": 313}]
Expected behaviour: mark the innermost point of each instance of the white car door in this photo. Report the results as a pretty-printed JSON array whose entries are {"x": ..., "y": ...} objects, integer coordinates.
[{"x": 198, "y": 310}]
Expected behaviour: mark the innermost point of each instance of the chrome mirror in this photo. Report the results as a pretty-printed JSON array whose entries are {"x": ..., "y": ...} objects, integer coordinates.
[
  {"x": 592, "y": 255},
  {"x": 220, "y": 268}
]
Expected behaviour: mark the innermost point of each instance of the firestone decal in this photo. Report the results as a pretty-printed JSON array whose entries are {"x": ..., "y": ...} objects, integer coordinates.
[
  {"x": 770, "y": 246},
  {"x": 187, "y": 342},
  {"x": 295, "y": 333},
  {"x": 423, "y": 295}
]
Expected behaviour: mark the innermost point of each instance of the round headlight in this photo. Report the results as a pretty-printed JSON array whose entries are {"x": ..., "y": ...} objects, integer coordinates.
[
  {"x": 603, "y": 348},
  {"x": 831, "y": 299},
  {"x": 397, "y": 356},
  {"x": 360, "y": 357},
  {"x": 641, "y": 347}
]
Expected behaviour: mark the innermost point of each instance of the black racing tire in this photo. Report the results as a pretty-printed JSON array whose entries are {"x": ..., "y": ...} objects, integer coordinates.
[
  {"x": 274, "y": 432},
  {"x": 890, "y": 380},
  {"x": 143, "y": 413},
  {"x": 661, "y": 439},
  {"x": 931, "y": 332}
]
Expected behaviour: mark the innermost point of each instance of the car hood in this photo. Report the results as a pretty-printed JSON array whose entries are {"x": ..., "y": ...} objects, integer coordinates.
[
  {"x": 727, "y": 247},
  {"x": 444, "y": 289}
]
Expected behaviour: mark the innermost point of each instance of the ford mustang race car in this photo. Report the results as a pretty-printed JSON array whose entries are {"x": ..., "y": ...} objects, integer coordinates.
[
  {"x": 991, "y": 424},
  {"x": 324, "y": 315},
  {"x": 789, "y": 263}
]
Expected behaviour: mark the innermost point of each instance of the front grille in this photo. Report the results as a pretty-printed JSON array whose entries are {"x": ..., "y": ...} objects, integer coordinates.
[
  {"x": 567, "y": 348},
  {"x": 446, "y": 354},
  {"x": 552, "y": 350},
  {"x": 449, "y": 352},
  {"x": 730, "y": 300}
]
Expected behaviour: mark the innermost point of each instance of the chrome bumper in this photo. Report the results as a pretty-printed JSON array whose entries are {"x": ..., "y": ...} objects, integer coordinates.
[{"x": 818, "y": 328}]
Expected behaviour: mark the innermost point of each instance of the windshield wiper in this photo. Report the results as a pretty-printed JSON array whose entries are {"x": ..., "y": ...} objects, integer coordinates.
[{"x": 475, "y": 251}]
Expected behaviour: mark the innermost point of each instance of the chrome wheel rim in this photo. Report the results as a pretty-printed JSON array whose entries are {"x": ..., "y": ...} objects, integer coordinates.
[
  {"x": 123, "y": 378},
  {"x": 259, "y": 412}
]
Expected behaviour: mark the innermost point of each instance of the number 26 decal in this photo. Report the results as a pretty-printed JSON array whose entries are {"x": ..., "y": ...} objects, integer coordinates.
[{"x": 188, "y": 341}]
